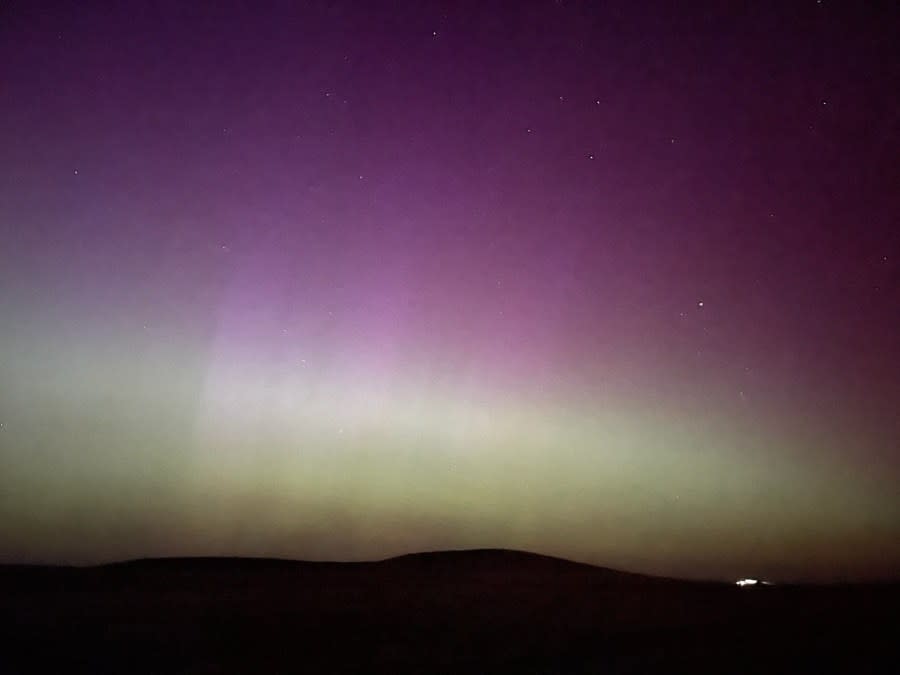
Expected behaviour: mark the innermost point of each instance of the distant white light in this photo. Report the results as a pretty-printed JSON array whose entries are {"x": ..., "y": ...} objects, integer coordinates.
[
  {"x": 700, "y": 304},
  {"x": 747, "y": 582}
]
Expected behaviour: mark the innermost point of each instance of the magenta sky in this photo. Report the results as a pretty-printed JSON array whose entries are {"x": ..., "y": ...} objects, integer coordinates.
[{"x": 254, "y": 230}]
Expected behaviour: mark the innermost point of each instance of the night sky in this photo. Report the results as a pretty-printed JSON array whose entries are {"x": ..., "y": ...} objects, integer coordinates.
[{"x": 613, "y": 281}]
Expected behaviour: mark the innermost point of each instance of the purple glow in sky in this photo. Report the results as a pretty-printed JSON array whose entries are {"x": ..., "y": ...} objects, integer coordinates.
[{"x": 612, "y": 281}]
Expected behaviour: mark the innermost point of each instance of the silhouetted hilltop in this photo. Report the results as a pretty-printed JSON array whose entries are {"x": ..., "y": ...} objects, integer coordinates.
[
  {"x": 510, "y": 564},
  {"x": 502, "y": 566},
  {"x": 486, "y": 557}
]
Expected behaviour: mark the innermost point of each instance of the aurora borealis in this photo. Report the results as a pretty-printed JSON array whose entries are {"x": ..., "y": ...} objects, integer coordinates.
[{"x": 616, "y": 282}]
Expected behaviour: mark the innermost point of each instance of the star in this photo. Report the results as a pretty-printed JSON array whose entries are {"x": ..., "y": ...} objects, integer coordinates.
[
  {"x": 591, "y": 156},
  {"x": 76, "y": 172},
  {"x": 700, "y": 303}
]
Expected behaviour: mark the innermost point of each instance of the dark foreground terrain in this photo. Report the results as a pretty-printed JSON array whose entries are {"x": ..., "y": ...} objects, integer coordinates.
[{"x": 454, "y": 612}]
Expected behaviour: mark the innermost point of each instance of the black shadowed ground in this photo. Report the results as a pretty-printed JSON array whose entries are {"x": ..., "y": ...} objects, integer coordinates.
[{"x": 483, "y": 611}]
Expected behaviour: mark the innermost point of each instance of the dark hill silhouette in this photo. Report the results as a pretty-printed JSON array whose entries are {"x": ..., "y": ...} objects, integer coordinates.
[
  {"x": 496, "y": 558},
  {"x": 439, "y": 612},
  {"x": 511, "y": 565},
  {"x": 456, "y": 566}
]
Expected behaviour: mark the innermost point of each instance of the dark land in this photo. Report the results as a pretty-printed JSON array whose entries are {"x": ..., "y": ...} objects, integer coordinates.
[{"x": 484, "y": 611}]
